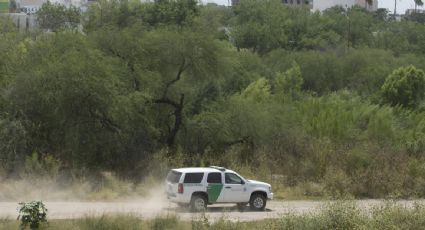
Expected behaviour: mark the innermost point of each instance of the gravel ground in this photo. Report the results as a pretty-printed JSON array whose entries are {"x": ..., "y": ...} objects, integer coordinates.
[{"x": 153, "y": 208}]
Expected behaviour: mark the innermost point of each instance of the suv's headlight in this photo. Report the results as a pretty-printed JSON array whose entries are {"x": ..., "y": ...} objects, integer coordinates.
[{"x": 270, "y": 189}]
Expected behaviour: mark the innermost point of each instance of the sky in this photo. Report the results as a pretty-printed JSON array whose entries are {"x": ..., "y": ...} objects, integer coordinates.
[{"x": 402, "y": 5}]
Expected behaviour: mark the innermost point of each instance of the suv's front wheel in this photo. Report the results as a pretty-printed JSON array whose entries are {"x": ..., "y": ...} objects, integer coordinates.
[
  {"x": 257, "y": 202},
  {"x": 198, "y": 203}
]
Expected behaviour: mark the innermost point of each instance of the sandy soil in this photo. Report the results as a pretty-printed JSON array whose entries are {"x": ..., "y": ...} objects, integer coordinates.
[{"x": 152, "y": 208}]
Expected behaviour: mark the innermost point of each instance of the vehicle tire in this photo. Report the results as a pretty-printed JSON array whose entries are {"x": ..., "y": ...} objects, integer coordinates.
[
  {"x": 257, "y": 202},
  {"x": 241, "y": 206},
  {"x": 198, "y": 203}
]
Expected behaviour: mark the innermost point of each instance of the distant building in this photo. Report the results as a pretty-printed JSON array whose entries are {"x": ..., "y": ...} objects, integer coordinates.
[
  {"x": 32, "y": 6},
  {"x": 303, "y": 3},
  {"x": 325, "y": 4},
  {"x": 414, "y": 11},
  {"x": 29, "y": 6},
  {"x": 308, "y": 3}
]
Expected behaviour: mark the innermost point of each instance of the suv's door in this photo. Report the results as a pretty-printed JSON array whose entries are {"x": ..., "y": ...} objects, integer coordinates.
[
  {"x": 193, "y": 182},
  {"x": 215, "y": 187},
  {"x": 234, "y": 189}
]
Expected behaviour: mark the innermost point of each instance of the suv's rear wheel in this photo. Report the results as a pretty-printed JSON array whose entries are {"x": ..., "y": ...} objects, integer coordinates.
[
  {"x": 198, "y": 203},
  {"x": 257, "y": 202}
]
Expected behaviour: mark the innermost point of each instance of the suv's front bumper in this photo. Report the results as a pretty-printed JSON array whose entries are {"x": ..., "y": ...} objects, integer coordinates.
[{"x": 270, "y": 196}]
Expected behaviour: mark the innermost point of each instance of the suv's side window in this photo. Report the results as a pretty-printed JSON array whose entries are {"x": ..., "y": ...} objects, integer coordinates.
[
  {"x": 193, "y": 178},
  {"x": 214, "y": 178},
  {"x": 232, "y": 178}
]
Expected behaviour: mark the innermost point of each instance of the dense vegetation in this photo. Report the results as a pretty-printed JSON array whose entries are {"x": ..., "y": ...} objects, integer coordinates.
[{"x": 328, "y": 102}]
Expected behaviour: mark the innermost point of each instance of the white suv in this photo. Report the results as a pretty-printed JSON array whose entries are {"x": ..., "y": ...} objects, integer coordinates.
[{"x": 201, "y": 186}]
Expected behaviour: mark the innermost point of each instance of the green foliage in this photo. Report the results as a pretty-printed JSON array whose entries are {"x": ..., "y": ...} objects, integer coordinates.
[
  {"x": 259, "y": 87},
  {"x": 37, "y": 167},
  {"x": 32, "y": 214},
  {"x": 404, "y": 87},
  {"x": 179, "y": 12},
  {"x": 12, "y": 149},
  {"x": 69, "y": 92},
  {"x": 7, "y": 25},
  {"x": 56, "y": 17},
  {"x": 289, "y": 82},
  {"x": 258, "y": 91},
  {"x": 259, "y": 25}
]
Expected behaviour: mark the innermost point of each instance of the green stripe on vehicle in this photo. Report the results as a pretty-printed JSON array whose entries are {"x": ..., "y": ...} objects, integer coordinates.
[{"x": 214, "y": 191}]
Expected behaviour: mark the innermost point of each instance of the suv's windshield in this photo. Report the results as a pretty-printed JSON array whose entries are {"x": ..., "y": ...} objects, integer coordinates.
[{"x": 174, "y": 176}]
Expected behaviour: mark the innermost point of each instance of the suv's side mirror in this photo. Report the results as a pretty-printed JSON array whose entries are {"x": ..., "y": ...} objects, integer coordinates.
[{"x": 242, "y": 182}]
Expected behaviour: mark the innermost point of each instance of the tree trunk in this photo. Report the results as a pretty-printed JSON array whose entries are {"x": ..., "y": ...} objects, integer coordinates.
[
  {"x": 178, "y": 117},
  {"x": 178, "y": 106}
]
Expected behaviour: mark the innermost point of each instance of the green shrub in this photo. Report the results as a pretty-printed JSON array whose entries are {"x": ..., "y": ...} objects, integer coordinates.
[
  {"x": 32, "y": 214},
  {"x": 405, "y": 87},
  {"x": 394, "y": 216},
  {"x": 336, "y": 183},
  {"x": 341, "y": 215},
  {"x": 335, "y": 215}
]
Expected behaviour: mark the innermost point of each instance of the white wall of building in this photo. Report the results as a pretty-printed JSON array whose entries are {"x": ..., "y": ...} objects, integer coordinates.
[
  {"x": 38, "y": 3},
  {"x": 77, "y": 3},
  {"x": 325, "y": 4}
]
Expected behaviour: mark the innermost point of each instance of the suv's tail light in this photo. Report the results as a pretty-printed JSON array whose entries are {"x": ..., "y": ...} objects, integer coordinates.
[{"x": 180, "y": 188}]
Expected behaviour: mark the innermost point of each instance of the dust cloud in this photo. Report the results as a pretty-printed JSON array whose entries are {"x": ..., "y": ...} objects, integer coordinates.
[
  {"x": 109, "y": 189},
  {"x": 80, "y": 200}
]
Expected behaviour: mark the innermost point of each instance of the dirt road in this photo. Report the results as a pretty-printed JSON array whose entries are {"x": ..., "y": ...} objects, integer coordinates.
[{"x": 152, "y": 208}]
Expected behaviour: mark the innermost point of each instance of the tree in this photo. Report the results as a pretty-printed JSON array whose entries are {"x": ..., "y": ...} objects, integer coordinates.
[
  {"x": 260, "y": 25},
  {"x": 74, "y": 103},
  {"x": 183, "y": 60},
  {"x": 57, "y": 17},
  {"x": 405, "y": 87},
  {"x": 179, "y": 12},
  {"x": 418, "y": 3},
  {"x": 381, "y": 14},
  {"x": 289, "y": 82},
  {"x": 12, "y": 6}
]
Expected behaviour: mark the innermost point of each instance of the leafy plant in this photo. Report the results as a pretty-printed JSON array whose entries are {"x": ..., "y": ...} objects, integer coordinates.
[
  {"x": 405, "y": 87},
  {"x": 32, "y": 214}
]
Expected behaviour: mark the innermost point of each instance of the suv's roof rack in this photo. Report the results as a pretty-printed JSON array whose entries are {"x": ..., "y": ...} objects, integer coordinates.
[{"x": 218, "y": 167}]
